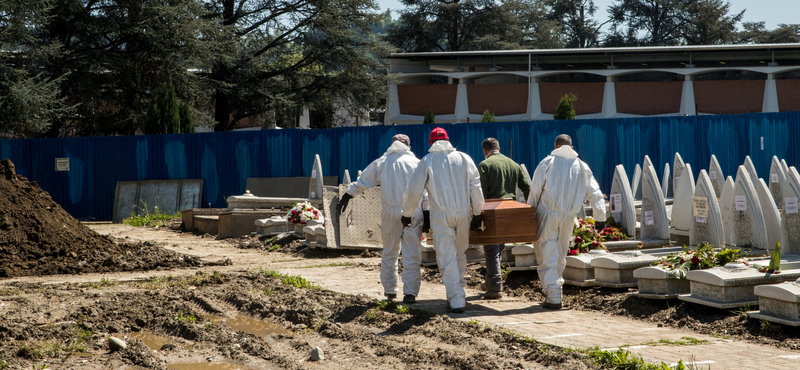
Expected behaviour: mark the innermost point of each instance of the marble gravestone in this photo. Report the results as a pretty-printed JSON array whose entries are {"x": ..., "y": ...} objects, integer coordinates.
[
  {"x": 636, "y": 182},
  {"x": 346, "y": 178},
  {"x": 680, "y": 222},
  {"x": 677, "y": 171},
  {"x": 654, "y": 221},
  {"x": 790, "y": 221},
  {"x": 726, "y": 208},
  {"x": 706, "y": 220},
  {"x": 665, "y": 188},
  {"x": 772, "y": 218},
  {"x": 751, "y": 169},
  {"x": 315, "y": 186},
  {"x": 748, "y": 220},
  {"x": 621, "y": 201},
  {"x": 777, "y": 177},
  {"x": 716, "y": 175},
  {"x": 785, "y": 167}
]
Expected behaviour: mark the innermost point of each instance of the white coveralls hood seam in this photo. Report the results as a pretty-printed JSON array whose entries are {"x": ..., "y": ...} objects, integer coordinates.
[
  {"x": 565, "y": 152},
  {"x": 397, "y": 147},
  {"x": 441, "y": 146}
]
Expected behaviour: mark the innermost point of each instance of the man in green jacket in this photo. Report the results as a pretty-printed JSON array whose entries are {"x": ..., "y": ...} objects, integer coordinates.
[{"x": 500, "y": 178}]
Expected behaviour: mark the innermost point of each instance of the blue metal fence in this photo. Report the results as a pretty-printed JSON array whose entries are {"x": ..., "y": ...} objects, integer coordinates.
[{"x": 225, "y": 160}]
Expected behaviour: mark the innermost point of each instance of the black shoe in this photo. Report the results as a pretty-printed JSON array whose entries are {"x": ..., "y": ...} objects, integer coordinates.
[
  {"x": 390, "y": 297},
  {"x": 551, "y": 306},
  {"x": 409, "y": 298},
  {"x": 493, "y": 294},
  {"x": 454, "y": 310}
]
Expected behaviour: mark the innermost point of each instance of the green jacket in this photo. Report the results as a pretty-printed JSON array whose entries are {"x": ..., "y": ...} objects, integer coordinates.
[{"x": 501, "y": 176}]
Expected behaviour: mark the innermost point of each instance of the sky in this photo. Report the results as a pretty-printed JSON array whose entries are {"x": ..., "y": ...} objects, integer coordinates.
[{"x": 772, "y": 12}]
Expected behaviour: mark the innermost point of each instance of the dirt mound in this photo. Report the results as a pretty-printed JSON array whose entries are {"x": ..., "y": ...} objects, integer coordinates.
[
  {"x": 38, "y": 237},
  {"x": 289, "y": 244}
]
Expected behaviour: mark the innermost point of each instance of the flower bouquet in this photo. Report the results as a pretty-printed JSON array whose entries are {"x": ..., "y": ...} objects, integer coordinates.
[
  {"x": 704, "y": 257},
  {"x": 612, "y": 232},
  {"x": 586, "y": 236},
  {"x": 302, "y": 212}
]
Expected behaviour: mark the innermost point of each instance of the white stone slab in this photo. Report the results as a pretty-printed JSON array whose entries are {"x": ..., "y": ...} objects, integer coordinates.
[
  {"x": 654, "y": 221},
  {"x": 656, "y": 283},
  {"x": 522, "y": 249},
  {"x": 785, "y": 166},
  {"x": 751, "y": 169},
  {"x": 310, "y": 233},
  {"x": 346, "y": 178},
  {"x": 682, "y": 204},
  {"x": 624, "y": 213},
  {"x": 666, "y": 187},
  {"x": 788, "y": 291},
  {"x": 728, "y": 288},
  {"x": 715, "y": 175},
  {"x": 777, "y": 177},
  {"x": 748, "y": 223},
  {"x": 790, "y": 220},
  {"x": 726, "y": 208},
  {"x": 706, "y": 229},
  {"x": 647, "y": 162},
  {"x": 616, "y": 270},
  {"x": 772, "y": 219},
  {"x": 677, "y": 171},
  {"x": 315, "y": 185},
  {"x": 651, "y": 272},
  {"x": 636, "y": 183}
]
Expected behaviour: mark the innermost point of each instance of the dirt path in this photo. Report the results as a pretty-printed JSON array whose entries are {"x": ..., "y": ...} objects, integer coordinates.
[{"x": 246, "y": 293}]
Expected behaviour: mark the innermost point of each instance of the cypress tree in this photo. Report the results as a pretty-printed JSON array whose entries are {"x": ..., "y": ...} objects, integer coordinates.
[
  {"x": 162, "y": 115},
  {"x": 565, "y": 109},
  {"x": 187, "y": 127}
]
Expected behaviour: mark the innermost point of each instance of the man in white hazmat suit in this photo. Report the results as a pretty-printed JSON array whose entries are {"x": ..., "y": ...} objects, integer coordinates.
[
  {"x": 392, "y": 172},
  {"x": 560, "y": 185},
  {"x": 456, "y": 200}
]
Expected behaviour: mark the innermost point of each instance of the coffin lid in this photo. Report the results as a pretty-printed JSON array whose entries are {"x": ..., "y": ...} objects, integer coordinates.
[{"x": 495, "y": 204}]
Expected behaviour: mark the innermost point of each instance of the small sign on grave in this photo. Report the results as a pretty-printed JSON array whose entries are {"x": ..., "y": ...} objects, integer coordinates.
[
  {"x": 616, "y": 205},
  {"x": 712, "y": 175},
  {"x": 791, "y": 204},
  {"x": 313, "y": 175},
  {"x": 741, "y": 203},
  {"x": 648, "y": 218},
  {"x": 774, "y": 178},
  {"x": 62, "y": 164},
  {"x": 700, "y": 206}
]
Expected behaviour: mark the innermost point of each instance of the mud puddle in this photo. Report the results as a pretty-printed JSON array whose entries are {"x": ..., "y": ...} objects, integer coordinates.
[
  {"x": 260, "y": 328},
  {"x": 154, "y": 341},
  {"x": 207, "y": 366}
]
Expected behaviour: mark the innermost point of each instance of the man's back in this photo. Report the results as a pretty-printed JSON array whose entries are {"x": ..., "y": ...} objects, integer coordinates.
[
  {"x": 392, "y": 172},
  {"x": 561, "y": 182},
  {"x": 500, "y": 177}
]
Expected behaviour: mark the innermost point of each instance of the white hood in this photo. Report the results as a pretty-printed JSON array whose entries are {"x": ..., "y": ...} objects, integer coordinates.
[
  {"x": 565, "y": 151},
  {"x": 441, "y": 146},
  {"x": 397, "y": 147}
]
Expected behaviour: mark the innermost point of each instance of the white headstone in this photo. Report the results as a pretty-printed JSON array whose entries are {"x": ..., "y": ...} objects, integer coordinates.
[
  {"x": 785, "y": 167},
  {"x": 359, "y": 174},
  {"x": 636, "y": 182},
  {"x": 777, "y": 177},
  {"x": 715, "y": 174},
  {"x": 751, "y": 169},
  {"x": 706, "y": 220},
  {"x": 621, "y": 201},
  {"x": 665, "y": 183},
  {"x": 677, "y": 171},
  {"x": 647, "y": 162},
  {"x": 346, "y": 178},
  {"x": 682, "y": 203},
  {"x": 520, "y": 194},
  {"x": 748, "y": 219},
  {"x": 772, "y": 218},
  {"x": 315, "y": 185},
  {"x": 790, "y": 221},
  {"x": 726, "y": 208},
  {"x": 654, "y": 224}
]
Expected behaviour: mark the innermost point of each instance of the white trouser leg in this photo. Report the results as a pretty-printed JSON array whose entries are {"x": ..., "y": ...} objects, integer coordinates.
[
  {"x": 412, "y": 255},
  {"x": 552, "y": 246},
  {"x": 450, "y": 240},
  {"x": 391, "y": 232}
]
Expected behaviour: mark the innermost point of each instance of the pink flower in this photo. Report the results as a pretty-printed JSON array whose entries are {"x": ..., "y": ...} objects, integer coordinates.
[
  {"x": 573, "y": 252},
  {"x": 616, "y": 237},
  {"x": 690, "y": 252},
  {"x": 595, "y": 244},
  {"x": 578, "y": 240},
  {"x": 696, "y": 260},
  {"x": 302, "y": 222}
]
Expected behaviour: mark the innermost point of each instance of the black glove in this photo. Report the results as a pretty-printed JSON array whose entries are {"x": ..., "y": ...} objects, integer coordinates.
[
  {"x": 599, "y": 225},
  {"x": 426, "y": 221},
  {"x": 405, "y": 221},
  {"x": 476, "y": 223},
  {"x": 343, "y": 202}
]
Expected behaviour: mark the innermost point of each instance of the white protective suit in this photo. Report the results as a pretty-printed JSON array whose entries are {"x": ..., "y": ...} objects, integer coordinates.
[
  {"x": 392, "y": 172},
  {"x": 561, "y": 183},
  {"x": 454, "y": 194}
]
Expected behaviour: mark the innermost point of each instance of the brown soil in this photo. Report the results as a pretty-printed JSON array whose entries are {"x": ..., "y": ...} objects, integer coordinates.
[
  {"x": 37, "y": 237},
  {"x": 290, "y": 245},
  {"x": 68, "y": 327}
]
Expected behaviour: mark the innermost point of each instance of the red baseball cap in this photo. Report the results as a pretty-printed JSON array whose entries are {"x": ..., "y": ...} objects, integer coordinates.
[{"x": 438, "y": 134}]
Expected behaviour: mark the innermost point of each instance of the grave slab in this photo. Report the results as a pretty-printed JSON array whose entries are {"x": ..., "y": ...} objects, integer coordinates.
[
  {"x": 778, "y": 303},
  {"x": 772, "y": 219},
  {"x": 272, "y": 226},
  {"x": 579, "y": 270},
  {"x": 310, "y": 234},
  {"x": 777, "y": 179},
  {"x": 322, "y": 239},
  {"x": 654, "y": 221},
  {"x": 706, "y": 219},
  {"x": 233, "y": 224},
  {"x": 170, "y": 196},
  {"x": 715, "y": 175},
  {"x": 727, "y": 206},
  {"x": 785, "y": 166},
  {"x": 682, "y": 203},
  {"x": 187, "y": 216},
  {"x": 524, "y": 255},
  {"x": 731, "y": 286},
  {"x": 657, "y": 283},
  {"x": 621, "y": 205},
  {"x": 616, "y": 270},
  {"x": 748, "y": 219},
  {"x": 790, "y": 220},
  {"x": 284, "y": 187}
]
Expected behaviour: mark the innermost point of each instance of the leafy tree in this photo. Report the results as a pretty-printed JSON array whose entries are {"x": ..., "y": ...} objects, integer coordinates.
[
  {"x": 648, "y": 22},
  {"x": 295, "y": 54},
  {"x": 574, "y": 16},
  {"x": 757, "y": 33},
  {"x": 30, "y": 98},
  {"x": 488, "y": 117},
  {"x": 565, "y": 109},
  {"x": 187, "y": 125},
  {"x": 711, "y": 24},
  {"x": 429, "y": 118},
  {"x": 162, "y": 115}
]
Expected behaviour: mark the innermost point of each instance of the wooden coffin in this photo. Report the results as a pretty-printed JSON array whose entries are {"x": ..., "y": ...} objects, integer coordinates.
[{"x": 506, "y": 221}]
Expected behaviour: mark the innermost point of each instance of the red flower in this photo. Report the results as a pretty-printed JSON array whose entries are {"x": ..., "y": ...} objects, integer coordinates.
[
  {"x": 595, "y": 244},
  {"x": 294, "y": 212},
  {"x": 582, "y": 222},
  {"x": 683, "y": 260},
  {"x": 696, "y": 260},
  {"x": 608, "y": 230},
  {"x": 573, "y": 252},
  {"x": 302, "y": 222},
  {"x": 616, "y": 237},
  {"x": 315, "y": 212},
  {"x": 578, "y": 240}
]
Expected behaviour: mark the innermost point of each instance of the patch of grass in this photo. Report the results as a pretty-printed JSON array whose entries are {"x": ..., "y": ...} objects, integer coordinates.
[
  {"x": 333, "y": 264},
  {"x": 684, "y": 341},
  {"x": 623, "y": 359},
  {"x": 186, "y": 318},
  {"x": 268, "y": 291},
  {"x": 53, "y": 350},
  {"x": 718, "y": 335},
  {"x": 742, "y": 310},
  {"x": 9, "y": 291},
  {"x": 30, "y": 351},
  {"x": 149, "y": 219},
  {"x": 4, "y": 364},
  {"x": 392, "y": 306},
  {"x": 79, "y": 344},
  {"x": 296, "y": 281},
  {"x": 162, "y": 282}
]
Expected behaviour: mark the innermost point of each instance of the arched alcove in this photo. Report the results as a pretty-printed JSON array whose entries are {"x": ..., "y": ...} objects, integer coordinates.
[
  {"x": 649, "y": 93},
  {"x": 729, "y": 91}
]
